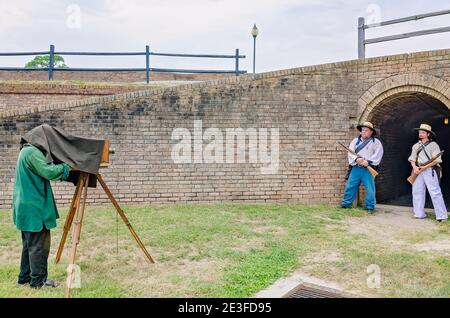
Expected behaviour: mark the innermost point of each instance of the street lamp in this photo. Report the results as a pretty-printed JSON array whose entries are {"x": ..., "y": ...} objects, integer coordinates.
[{"x": 254, "y": 34}]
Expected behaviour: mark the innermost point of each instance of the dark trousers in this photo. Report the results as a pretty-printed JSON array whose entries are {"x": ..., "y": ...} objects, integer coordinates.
[{"x": 35, "y": 251}]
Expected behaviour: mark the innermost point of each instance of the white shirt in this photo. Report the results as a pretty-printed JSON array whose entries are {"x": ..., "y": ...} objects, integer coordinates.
[
  {"x": 432, "y": 150},
  {"x": 372, "y": 152}
]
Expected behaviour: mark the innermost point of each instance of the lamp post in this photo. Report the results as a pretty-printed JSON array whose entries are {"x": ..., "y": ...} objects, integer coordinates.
[{"x": 254, "y": 34}]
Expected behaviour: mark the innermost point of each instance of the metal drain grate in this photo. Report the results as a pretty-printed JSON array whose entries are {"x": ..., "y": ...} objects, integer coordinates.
[{"x": 305, "y": 291}]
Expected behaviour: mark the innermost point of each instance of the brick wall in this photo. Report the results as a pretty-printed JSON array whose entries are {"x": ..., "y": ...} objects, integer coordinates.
[
  {"x": 25, "y": 94},
  {"x": 131, "y": 76},
  {"x": 313, "y": 108}
]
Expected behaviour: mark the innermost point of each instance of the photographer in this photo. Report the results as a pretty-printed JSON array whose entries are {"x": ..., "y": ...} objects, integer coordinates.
[{"x": 35, "y": 212}]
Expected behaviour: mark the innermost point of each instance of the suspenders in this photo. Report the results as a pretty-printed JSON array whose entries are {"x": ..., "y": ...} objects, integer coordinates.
[
  {"x": 437, "y": 167},
  {"x": 359, "y": 147}
]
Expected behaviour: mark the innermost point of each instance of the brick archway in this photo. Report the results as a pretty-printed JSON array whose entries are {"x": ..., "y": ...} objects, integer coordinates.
[
  {"x": 396, "y": 105},
  {"x": 402, "y": 83}
]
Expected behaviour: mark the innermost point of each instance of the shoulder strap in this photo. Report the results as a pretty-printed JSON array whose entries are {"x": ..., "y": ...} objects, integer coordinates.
[
  {"x": 422, "y": 148},
  {"x": 362, "y": 145}
]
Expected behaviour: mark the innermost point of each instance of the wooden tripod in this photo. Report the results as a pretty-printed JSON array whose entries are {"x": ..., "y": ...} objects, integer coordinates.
[{"x": 77, "y": 210}]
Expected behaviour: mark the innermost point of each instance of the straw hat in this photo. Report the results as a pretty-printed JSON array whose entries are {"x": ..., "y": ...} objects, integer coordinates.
[
  {"x": 368, "y": 125},
  {"x": 427, "y": 128}
]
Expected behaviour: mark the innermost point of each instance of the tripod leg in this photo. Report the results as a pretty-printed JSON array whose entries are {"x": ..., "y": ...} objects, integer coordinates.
[
  {"x": 124, "y": 218},
  {"x": 69, "y": 218},
  {"x": 76, "y": 234}
]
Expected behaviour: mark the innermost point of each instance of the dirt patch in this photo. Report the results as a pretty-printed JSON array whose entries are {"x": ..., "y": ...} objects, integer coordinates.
[
  {"x": 275, "y": 230},
  {"x": 322, "y": 257},
  {"x": 174, "y": 278},
  {"x": 246, "y": 245},
  {"x": 435, "y": 245},
  {"x": 391, "y": 224}
]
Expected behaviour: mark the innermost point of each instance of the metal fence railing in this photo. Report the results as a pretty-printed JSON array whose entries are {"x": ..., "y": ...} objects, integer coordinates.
[
  {"x": 147, "y": 53},
  {"x": 362, "y": 26}
]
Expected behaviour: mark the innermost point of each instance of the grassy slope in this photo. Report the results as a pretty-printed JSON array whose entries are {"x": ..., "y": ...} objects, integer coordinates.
[{"x": 227, "y": 250}]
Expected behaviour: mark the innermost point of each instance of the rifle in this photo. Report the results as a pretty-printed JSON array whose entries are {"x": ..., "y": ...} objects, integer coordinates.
[
  {"x": 412, "y": 178},
  {"x": 372, "y": 171}
]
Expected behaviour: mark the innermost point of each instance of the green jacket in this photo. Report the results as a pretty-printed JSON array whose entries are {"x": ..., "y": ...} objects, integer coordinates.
[{"x": 33, "y": 202}]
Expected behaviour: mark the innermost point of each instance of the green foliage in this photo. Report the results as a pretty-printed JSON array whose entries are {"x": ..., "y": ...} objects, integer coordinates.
[{"x": 42, "y": 61}]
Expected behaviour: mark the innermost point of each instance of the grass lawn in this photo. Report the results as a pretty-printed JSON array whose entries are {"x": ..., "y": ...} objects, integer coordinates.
[{"x": 234, "y": 250}]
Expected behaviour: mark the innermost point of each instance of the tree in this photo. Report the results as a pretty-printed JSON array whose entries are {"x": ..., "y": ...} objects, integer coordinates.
[{"x": 44, "y": 61}]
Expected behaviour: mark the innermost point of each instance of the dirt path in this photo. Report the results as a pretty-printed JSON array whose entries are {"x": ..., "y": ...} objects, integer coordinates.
[
  {"x": 392, "y": 226},
  {"x": 396, "y": 225}
]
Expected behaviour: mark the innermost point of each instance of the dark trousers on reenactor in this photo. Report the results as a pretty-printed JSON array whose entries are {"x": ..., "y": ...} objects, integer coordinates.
[{"x": 35, "y": 251}]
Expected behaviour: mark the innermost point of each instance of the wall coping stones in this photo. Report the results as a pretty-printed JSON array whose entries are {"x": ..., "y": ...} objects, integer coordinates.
[{"x": 231, "y": 80}]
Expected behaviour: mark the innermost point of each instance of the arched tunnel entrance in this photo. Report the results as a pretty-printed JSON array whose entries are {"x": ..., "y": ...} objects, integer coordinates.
[{"x": 395, "y": 118}]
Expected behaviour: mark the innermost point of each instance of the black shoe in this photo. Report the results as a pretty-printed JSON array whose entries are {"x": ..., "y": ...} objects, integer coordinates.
[
  {"x": 51, "y": 283},
  {"x": 370, "y": 211},
  {"x": 342, "y": 206},
  {"x": 47, "y": 283}
]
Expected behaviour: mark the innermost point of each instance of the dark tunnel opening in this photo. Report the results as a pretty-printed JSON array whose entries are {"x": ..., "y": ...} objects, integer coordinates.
[{"x": 396, "y": 117}]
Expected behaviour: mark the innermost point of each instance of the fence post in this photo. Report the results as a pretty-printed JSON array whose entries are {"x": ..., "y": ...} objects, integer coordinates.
[
  {"x": 237, "y": 62},
  {"x": 147, "y": 63},
  {"x": 51, "y": 62},
  {"x": 361, "y": 39}
]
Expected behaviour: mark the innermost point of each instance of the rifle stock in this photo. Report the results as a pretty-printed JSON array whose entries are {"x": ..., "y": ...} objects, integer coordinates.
[
  {"x": 412, "y": 178},
  {"x": 372, "y": 171}
]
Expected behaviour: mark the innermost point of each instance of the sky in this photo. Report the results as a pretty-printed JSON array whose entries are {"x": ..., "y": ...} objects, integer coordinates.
[{"x": 292, "y": 33}]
